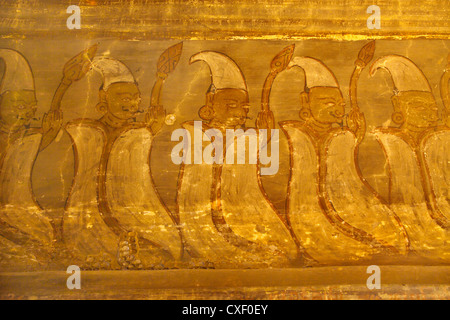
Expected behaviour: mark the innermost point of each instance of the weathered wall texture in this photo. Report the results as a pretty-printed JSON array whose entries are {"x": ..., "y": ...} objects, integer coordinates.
[{"x": 344, "y": 193}]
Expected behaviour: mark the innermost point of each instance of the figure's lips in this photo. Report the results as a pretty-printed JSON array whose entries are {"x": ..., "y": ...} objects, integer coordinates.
[
  {"x": 23, "y": 118},
  {"x": 337, "y": 116},
  {"x": 126, "y": 109}
]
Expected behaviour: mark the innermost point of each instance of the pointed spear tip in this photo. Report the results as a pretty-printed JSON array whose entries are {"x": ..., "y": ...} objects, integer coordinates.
[
  {"x": 91, "y": 51},
  {"x": 367, "y": 52}
]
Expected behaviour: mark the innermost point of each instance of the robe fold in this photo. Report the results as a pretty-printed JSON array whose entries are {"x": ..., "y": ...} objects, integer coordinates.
[
  {"x": 130, "y": 196},
  {"x": 330, "y": 207},
  {"x": 226, "y": 217},
  {"x": 18, "y": 207},
  {"x": 407, "y": 195}
]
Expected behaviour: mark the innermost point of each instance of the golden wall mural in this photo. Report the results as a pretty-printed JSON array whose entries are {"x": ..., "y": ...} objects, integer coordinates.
[
  {"x": 128, "y": 154},
  {"x": 221, "y": 214}
]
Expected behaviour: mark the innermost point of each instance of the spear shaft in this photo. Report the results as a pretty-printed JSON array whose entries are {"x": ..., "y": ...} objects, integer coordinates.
[{"x": 278, "y": 64}]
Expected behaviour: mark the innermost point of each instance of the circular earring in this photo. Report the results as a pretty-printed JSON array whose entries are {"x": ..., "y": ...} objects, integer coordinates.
[
  {"x": 398, "y": 118},
  {"x": 304, "y": 113},
  {"x": 206, "y": 112},
  {"x": 101, "y": 107}
]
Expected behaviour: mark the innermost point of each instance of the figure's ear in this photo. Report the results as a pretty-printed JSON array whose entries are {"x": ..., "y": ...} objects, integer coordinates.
[
  {"x": 206, "y": 112},
  {"x": 398, "y": 117},
  {"x": 209, "y": 98},
  {"x": 102, "y": 105},
  {"x": 305, "y": 111},
  {"x": 395, "y": 102}
]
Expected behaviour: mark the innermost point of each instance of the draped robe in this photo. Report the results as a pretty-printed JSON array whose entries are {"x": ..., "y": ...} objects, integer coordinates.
[
  {"x": 113, "y": 193},
  {"x": 24, "y": 225},
  {"x": 227, "y": 218},
  {"x": 331, "y": 208},
  {"x": 414, "y": 168}
]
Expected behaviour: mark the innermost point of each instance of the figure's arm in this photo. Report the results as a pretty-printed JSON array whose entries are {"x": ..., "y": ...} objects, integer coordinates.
[
  {"x": 156, "y": 113},
  {"x": 166, "y": 64},
  {"x": 445, "y": 93},
  {"x": 74, "y": 70},
  {"x": 355, "y": 120}
]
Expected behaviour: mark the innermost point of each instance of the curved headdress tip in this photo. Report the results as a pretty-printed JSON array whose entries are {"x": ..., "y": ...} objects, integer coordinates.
[
  {"x": 379, "y": 63},
  {"x": 384, "y": 62},
  {"x": 295, "y": 62},
  {"x": 8, "y": 55},
  {"x": 317, "y": 74},
  {"x": 405, "y": 74},
  {"x": 18, "y": 74},
  {"x": 7, "y": 50},
  {"x": 291, "y": 64},
  {"x": 209, "y": 55},
  {"x": 112, "y": 70},
  {"x": 300, "y": 60},
  {"x": 225, "y": 73},
  {"x": 199, "y": 56}
]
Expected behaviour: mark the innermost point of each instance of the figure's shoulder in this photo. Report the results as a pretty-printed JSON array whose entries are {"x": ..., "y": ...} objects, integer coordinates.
[
  {"x": 188, "y": 124},
  {"x": 194, "y": 125},
  {"x": 134, "y": 127},
  {"x": 292, "y": 124},
  {"x": 389, "y": 131},
  {"x": 87, "y": 126},
  {"x": 86, "y": 122},
  {"x": 439, "y": 133}
]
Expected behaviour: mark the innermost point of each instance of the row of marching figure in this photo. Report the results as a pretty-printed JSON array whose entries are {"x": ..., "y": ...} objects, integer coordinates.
[{"x": 115, "y": 218}]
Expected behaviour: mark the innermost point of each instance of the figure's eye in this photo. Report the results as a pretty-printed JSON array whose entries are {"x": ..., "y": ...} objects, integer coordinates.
[
  {"x": 126, "y": 99},
  {"x": 331, "y": 104},
  {"x": 231, "y": 105},
  {"x": 21, "y": 106}
]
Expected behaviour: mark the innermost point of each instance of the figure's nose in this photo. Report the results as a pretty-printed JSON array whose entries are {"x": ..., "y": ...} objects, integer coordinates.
[
  {"x": 434, "y": 116},
  {"x": 339, "y": 112},
  {"x": 31, "y": 112},
  {"x": 134, "y": 105}
]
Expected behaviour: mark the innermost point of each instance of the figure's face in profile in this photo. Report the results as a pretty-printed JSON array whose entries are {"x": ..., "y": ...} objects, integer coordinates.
[
  {"x": 17, "y": 108},
  {"x": 123, "y": 100},
  {"x": 419, "y": 108},
  {"x": 230, "y": 107},
  {"x": 326, "y": 104}
]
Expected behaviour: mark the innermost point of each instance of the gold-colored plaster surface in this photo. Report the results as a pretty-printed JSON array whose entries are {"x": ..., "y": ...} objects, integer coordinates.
[{"x": 86, "y": 170}]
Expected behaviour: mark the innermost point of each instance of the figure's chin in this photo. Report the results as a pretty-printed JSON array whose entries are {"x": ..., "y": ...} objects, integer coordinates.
[{"x": 125, "y": 116}]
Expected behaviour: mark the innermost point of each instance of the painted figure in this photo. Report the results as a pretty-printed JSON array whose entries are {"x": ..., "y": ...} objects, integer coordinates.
[
  {"x": 26, "y": 233},
  {"x": 226, "y": 218},
  {"x": 331, "y": 208},
  {"x": 114, "y": 214},
  {"x": 417, "y": 153}
]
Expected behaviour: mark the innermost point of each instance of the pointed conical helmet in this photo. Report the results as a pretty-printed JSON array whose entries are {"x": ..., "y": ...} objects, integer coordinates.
[
  {"x": 405, "y": 74},
  {"x": 317, "y": 74},
  {"x": 18, "y": 74},
  {"x": 112, "y": 71},
  {"x": 225, "y": 73}
]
